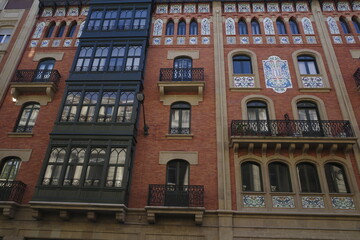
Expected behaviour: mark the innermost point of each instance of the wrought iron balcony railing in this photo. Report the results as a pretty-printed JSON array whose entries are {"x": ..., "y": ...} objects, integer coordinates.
[
  {"x": 37, "y": 76},
  {"x": 357, "y": 77},
  {"x": 174, "y": 195},
  {"x": 291, "y": 128},
  {"x": 12, "y": 191},
  {"x": 182, "y": 74}
]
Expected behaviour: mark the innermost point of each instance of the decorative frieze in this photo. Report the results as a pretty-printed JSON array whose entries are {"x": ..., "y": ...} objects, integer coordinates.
[
  {"x": 273, "y": 7},
  {"x": 45, "y": 43},
  {"x": 67, "y": 42},
  {"x": 204, "y": 8},
  {"x": 312, "y": 202},
  {"x": 175, "y": 8},
  {"x": 244, "y": 82},
  {"x": 350, "y": 39},
  {"x": 287, "y": 7},
  {"x": 337, "y": 39},
  {"x": 244, "y": 40},
  {"x": 47, "y": 12},
  {"x": 34, "y": 43},
  {"x": 193, "y": 40},
  {"x": 156, "y": 41},
  {"x": 230, "y": 7},
  {"x": 258, "y": 7},
  {"x": 190, "y": 8},
  {"x": 345, "y": 203},
  {"x": 244, "y": 7},
  {"x": 302, "y": 7},
  {"x": 297, "y": 40},
  {"x": 56, "y": 43},
  {"x": 270, "y": 40},
  {"x": 311, "y": 39},
  {"x": 257, "y": 40},
  {"x": 254, "y": 201},
  {"x": 283, "y": 202},
  {"x": 181, "y": 40},
  {"x": 205, "y": 40},
  {"x": 230, "y": 40},
  {"x": 277, "y": 74},
  {"x": 73, "y": 11},
  {"x": 161, "y": 9},
  {"x": 328, "y": 7},
  {"x": 85, "y": 11},
  {"x": 168, "y": 41},
  {"x": 60, "y": 12},
  {"x": 312, "y": 82},
  {"x": 343, "y": 6},
  {"x": 284, "y": 40}
]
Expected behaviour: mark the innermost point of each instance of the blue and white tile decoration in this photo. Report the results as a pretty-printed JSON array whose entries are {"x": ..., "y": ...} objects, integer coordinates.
[
  {"x": 230, "y": 7},
  {"x": 345, "y": 203},
  {"x": 205, "y": 27},
  {"x": 297, "y": 40},
  {"x": 328, "y": 7},
  {"x": 277, "y": 74},
  {"x": 270, "y": 40},
  {"x": 269, "y": 26},
  {"x": 203, "y": 8},
  {"x": 205, "y": 40},
  {"x": 45, "y": 43},
  {"x": 244, "y": 40},
  {"x": 273, "y": 7},
  {"x": 257, "y": 40},
  {"x": 161, "y": 9},
  {"x": 193, "y": 40},
  {"x": 307, "y": 26},
  {"x": 85, "y": 11},
  {"x": 284, "y": 40},
  {"x": 312, "y": 202},
  {"x": 244, "y": 82},
  {"x": 287, "y": 7},
  {"x": 77, "y": 41},
  {"x": 258, "y": 7},
  {"x": 337, "y": 39},
  {"x": 60, "y": 12},
  {"x": 67, "y": 42},
  {"x": 168, "y": 41},
  {"x": 156, "y": 41},
  {"x": 343, "y": 6},
  {"x": 312, "y": 82},
  {"x": 350, "y": 39},
  {"x": 253, "y": 201},
  {"x": 332, "y": 25},
  {"x": 34, "y": 43},
  {"x": 302, "y": 7},
  {"x": 244, "y": 7},
  {"x": 158, "y": 27},
  {"x": 283, "y": 202},
  {"x": 56, "y": 43},
  {"x": 181, "y": 40},
  {"x": 48, "y": 12},
  {"x": 356, "y": 6},
  {"x": 230, "y": 26},
  {"x": 39, "y": 30},
  {"x": 230, "y": 40},
  {"x": 73, "y": 11},
  {"x": 175, "y": 8},
  {"x": 190, "y": 8},
  {"x": 311, "y": 39}
]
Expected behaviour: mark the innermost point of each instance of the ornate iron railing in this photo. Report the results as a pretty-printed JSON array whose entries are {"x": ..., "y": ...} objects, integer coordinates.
[
  {"x": 12, "y": 191},
  {"x": 173, "y": 195},
  {"x": 357, "y": 77},
  {"x": 291, "y": 128},
  {"x": 182, "y": 74},
  {"x": 37, "y": 76}
]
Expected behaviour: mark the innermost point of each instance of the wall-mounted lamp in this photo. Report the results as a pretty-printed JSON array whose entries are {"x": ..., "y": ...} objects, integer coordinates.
[{"x": 141, "y": 97}]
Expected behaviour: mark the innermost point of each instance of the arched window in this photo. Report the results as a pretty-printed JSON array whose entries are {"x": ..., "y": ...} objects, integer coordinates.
[
  {"x": 242, "y": 64},
  {"x": 251, "y": 177},
  {"x": 309, "y": 114},
  {"x": 344, "y": 25},
  {"x": 294, "y": 27},
  {"x": 50, "y": 30},
  {"x": 193, "y": 28},
  {"x": 242, "y": 27},
  {"x": 27, "y": 117},
  {"x": 9, "y": 168},
  {"x": 280, "y": 27},
  {"x": 61, "y": 30},
  {"x": 258, "y": 115},
  {"x": 182, "y": 69},
  {"x": 169, "y": 28},
  {"x": 356, "y": 24},
  {"x": 307, "y": 65},
  {"x": 177, "y": 173},
  {"x": 5, "y": 35},
  {"x": 44, "y": 69},
  {"x": 180, "y": 118},
  {"x": 255, "y": 27},
  {"x": 336, "y": 178},
  {"x": 181, "y": 28},
  {"x": 308, "y": 177},
  {"x": 72, "y": 29},
  {"x": 279, "y": 177}
]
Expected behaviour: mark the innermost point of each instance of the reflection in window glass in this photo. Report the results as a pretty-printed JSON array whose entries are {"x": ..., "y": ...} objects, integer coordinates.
[
  {"x": 336, "y": 178},
  {"x": 242, "y": 64},
  {"x": 308, "y": 177},
  {"x": 279, "y": 177},
  {"x": 251, "y": 177},
  {"x": 307, "y": 65},
  {"x": 28, "y": 118}
]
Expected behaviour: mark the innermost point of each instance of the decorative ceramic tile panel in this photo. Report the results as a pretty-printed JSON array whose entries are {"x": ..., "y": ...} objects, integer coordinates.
[
  {"x": 205, "y": 26},
  {"x": 283, "y": 202},
  {"x": 193, "y": 40},
  {"x": 277, "y": 74},
  {"x": 45, "y": 43},
  {"x": 168, "y": 40},
  {"x": 356, "y": 6},
  {"x": 307, "y": 25},
  {"x": 161, "y": 9},
  {"x": 205, "y": 40},
  {"x": 312, "y": 82},
  {"x": 244, "y": 40},
  {"x": 312, "y": 202},
  {"x": 273, "y": 7},
  {"x": 284, "y": 40},
  {"x": 350, "y": 39},
  {"x": 332, "y": 25},
  {"x": 56, "y": 43},
  {"x": 343, "y": 203},
  {"x": 287, "y": 7},
  {"x": 311, "y": 39},
  {"x": 302, "y": 7},
  {"x": 73, "y": 11},
  {"x": 297, "y": 40},
  {"x": 244, "y": 82},
  {"x": 81, "y": 28},
  {"x": 156, "y": 41},
  {"x": 337, "y": 39},
  {"x": 328, "y": 7},
  {"x": 269, "y": 26},
  {"x": 270, "y": 40},
  {"x": 231, "y": 40},
  {"x": 77, "y": 41},
  {"x": 181, "y": 40},
  {"x": 158, "y": 27},
  {"x": 257, "y": 40},
  {"x": 203, "y": 8},
  {"x": 67, "y": 42},
  {"x": 190, "y": 8},
  {"x": 253, "y": 201},
  {"x": 258, "y": 7},
  {"x": 34, "y": 43},
  {"x": 244, "y": 7},
  {"x": 39, "y": 30},
  {"x": 230, "y": 7},
  {"x": 230, "y": 26},
  {"x": 60, "y": 12},
  {"x": 343, "y": 6},
  {"x": 85, "y": 11},
  {"x": 48, "y": 12},
  {"x": 175, "y": 8}
]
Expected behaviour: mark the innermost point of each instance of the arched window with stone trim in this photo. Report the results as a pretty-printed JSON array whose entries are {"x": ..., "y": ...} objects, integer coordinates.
[
  {"x": 251, "y": 179},
  {"x": 279, "y": 175},
  {"x": 255, "y": 27},
  {"x": 308, "y": 178},
  {"x": 336, "y": 178},
  {"x": 9, "y": 168}
]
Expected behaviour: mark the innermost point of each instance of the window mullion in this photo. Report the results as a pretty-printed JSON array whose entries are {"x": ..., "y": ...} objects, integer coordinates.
[
  {"x": 85, "y": 164},
  {"x": 65, "y": 164},
  {"x": 98, "y": 104},
  {"x": 116, "y": 106}
]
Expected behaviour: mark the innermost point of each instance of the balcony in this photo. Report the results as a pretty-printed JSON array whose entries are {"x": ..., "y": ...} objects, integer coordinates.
[
  {"x": 11, "y": 195},
  {"x": 331, "y": 134},
  {"x": 175, "y": 200},
  {"x": 173, "y": 81},
  {"x": 357, "y": 78},
  {"x": 35, "y": 82}
]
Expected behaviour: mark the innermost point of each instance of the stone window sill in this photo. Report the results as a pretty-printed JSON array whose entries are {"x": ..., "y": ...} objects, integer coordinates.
[
  {"x": 179, "y": 136},
  {"x": 20, "y": 134}
]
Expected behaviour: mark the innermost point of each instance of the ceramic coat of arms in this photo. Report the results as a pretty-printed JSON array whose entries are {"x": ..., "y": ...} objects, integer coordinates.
[{"x": 277, "y": 74}]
